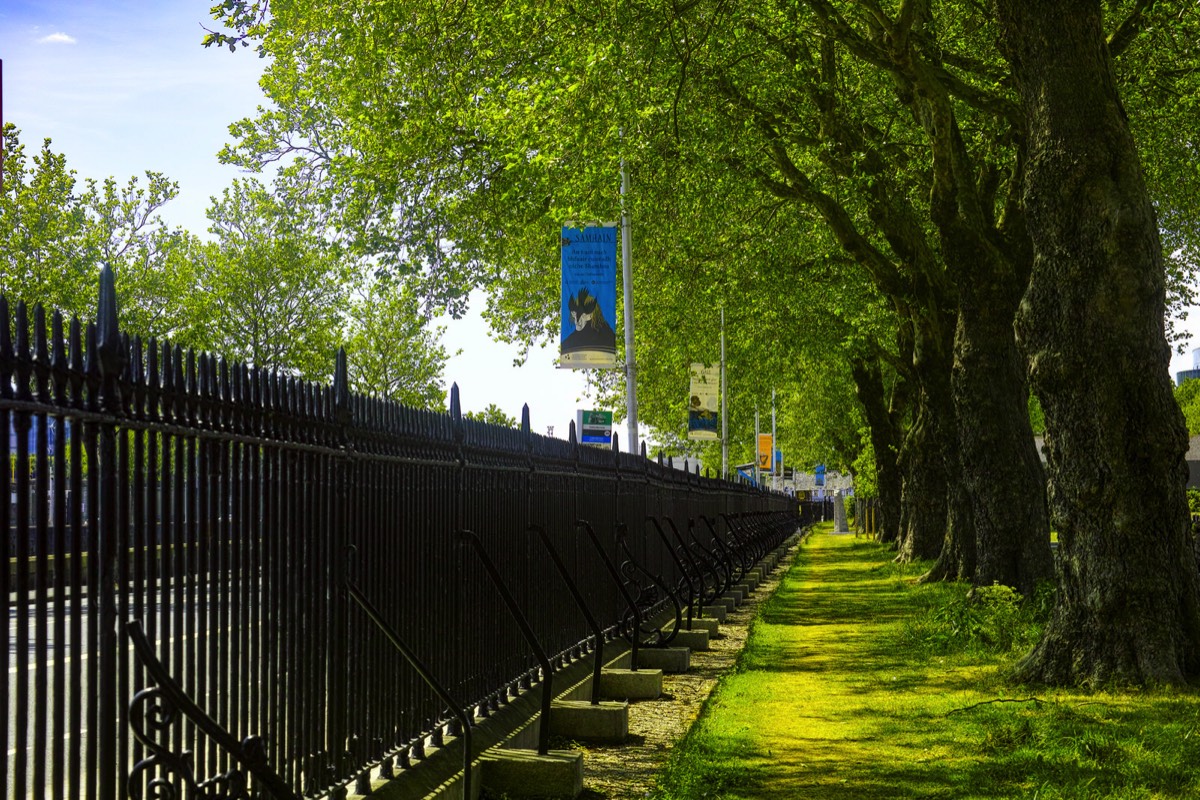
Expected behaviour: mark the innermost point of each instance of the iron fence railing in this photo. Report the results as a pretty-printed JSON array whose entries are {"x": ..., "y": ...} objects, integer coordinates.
[{"x": 224, "y": 516}]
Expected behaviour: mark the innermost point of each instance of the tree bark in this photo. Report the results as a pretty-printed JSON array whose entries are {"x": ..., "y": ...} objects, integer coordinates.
[
  {"x": 1003, "y": 474},
  {"x": 923, "y": 492},
  {"x": 868, "y": 385},
  {"x": 929, "y": 450},
  {"x": 958, "y": 557},
  {"x": 1092, "y": 326}
]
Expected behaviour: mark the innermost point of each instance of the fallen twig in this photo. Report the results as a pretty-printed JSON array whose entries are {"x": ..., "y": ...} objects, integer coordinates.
[{"x": 997, "y": 700}]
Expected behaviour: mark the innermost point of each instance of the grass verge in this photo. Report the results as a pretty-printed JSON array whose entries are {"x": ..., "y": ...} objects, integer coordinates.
[{"x": 857, "y": 682}]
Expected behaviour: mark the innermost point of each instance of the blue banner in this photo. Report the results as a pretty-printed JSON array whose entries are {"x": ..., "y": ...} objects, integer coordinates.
[{"x": 589, "y": 298}]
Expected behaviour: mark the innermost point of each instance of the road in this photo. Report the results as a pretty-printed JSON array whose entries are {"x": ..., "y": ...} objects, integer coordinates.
[{"x": 50, "y": 660}]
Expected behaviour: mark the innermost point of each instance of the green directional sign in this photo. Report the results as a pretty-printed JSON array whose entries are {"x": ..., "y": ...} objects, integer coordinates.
[{"x": 594, "y": 427}]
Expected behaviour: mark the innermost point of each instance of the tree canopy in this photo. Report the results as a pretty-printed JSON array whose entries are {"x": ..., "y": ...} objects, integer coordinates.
[
  {"x": 849, "y": 181},
  {"x": 274, "y": 288}
]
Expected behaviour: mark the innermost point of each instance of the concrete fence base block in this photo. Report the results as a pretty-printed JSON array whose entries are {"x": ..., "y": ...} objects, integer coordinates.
[
  {"x": 728, "y": 603},
  {"x": 711, "y": 625},
  {"x": 579, "y": 719},
  {"x": 524, "y": 773},
  {"x": 625, "y": 684},
  {"x": 451, "y": 789},
  {"x": 692, "y": 640},
  {"x": 719, "y": 613},
  {"x": 756, "y": 574},
  {"x": 736, "y": 595},
  {"x": 744, "y": 588},
  {"x": 669, "y": 659}
]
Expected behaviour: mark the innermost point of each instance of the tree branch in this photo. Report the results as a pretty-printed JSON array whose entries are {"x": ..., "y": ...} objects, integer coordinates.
[
  {"x": 1129, "y": 28},
  {"x": 997, "y": 700}
]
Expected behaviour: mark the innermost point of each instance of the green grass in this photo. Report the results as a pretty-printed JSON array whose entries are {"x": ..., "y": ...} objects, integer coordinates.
[{"x": 857, "y": 683}]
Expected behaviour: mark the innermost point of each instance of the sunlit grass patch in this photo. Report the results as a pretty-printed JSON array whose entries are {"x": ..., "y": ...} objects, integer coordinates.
[{"x": 858, "y": 682}]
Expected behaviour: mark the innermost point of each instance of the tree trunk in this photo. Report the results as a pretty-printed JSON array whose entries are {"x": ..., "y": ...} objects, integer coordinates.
[
  {"x": 1092, "y": 326},
  {"x": 957, "y": 560},
  {"x": 868, "y": 385},
  {"x": 930, "y": 444},
  {"x": 923, "y": 492},
  {"x": 1004, "y": 479},
  {"x": 934, "y": 333}
]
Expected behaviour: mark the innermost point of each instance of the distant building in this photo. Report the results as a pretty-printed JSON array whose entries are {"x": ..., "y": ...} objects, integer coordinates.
[{"x": 1188, "y": 374}]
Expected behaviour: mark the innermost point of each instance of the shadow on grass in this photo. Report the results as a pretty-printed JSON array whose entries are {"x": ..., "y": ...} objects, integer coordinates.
[
  {"x": 1050, "y": 751},
  {"x": 827, "y": 703}
]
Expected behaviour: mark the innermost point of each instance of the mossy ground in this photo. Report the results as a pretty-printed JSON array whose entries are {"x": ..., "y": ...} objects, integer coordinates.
[{"x": 858, "y": 683}]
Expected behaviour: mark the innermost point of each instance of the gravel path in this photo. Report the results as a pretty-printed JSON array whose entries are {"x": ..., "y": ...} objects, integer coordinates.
[{"x": 627, "y": 771}]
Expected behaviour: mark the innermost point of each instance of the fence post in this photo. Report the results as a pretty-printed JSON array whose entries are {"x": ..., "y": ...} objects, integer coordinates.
[
  {"x": 111, "y": 362},
  {"x": 339, "y": 739}
]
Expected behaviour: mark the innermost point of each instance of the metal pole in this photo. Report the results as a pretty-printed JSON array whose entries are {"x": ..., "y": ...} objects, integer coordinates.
[
  {"x": 774, "y": 477},
  {"x": 724, "y": 408},
  {"x": 627, "y": 280},
  {"x": 757, "y": 471}
]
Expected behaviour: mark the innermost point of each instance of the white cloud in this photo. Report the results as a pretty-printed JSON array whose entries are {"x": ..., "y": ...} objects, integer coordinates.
[{"x": 57, "y": 38}]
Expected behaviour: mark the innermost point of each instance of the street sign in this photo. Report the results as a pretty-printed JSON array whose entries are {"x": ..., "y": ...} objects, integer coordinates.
[
  {"x": 703, "y": 402},
  {"x": 594, "y": 427},
  {"x": 765, "y": 448}
]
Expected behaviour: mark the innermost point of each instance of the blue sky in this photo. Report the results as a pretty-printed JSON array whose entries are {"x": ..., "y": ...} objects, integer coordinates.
[{"x": 124, "y": 87}]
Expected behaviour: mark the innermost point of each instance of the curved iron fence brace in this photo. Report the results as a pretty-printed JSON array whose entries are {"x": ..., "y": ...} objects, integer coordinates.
[
  {"x": 547, "y": 673},
  {"x": 765, "y": 531},
  {"x": 707, "y": 594},
  {"x": 459, "y": 711},
  {"x": 743, "y": 546},
  {"x": 750, "y": 530},
  {"x": 249, "y": 752},
  {"x": 660, "y": 640},
  {"x": 686, "y": 570},
  {"x": 738, "y": 529},
  {"x": 704, "y": 563},
  {"x": 616, "y": 576},
  {"x": 754, "y": 534},
  {"x": 715, "y": 556},
  {"x": 591, "y": 620},
  {"x": 729, "y": 555},
  {"x": 682, "y": 551}
]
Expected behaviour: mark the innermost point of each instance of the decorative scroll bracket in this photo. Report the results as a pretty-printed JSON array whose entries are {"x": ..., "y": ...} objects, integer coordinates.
[{"x": 153, "y": 711}]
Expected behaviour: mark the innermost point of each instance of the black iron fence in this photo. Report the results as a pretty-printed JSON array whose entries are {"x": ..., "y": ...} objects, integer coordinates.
[{"x": 231, "y": 513}]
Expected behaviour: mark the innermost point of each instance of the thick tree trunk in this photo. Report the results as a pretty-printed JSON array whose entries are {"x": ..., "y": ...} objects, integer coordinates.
[
  {"x": 1003, "y": 497},
  {"x": 1005, "y": 483},
  {"x": 935, "y": 414},
  {"x": 868, "y": 385},
  {"x": 1092, "y": 326},
  {"x": 923, "y": 493},
  {"x": 930, "y": 463},
  {"x": 957, "y": 560}
]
